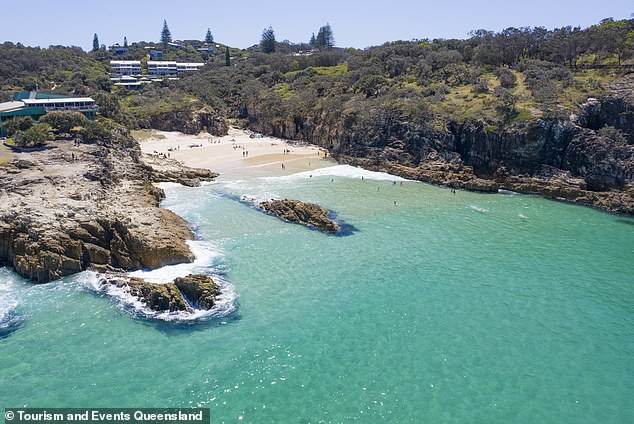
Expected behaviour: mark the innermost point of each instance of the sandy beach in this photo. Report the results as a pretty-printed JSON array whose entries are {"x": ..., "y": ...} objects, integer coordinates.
[{"x": 236, "y": 154}]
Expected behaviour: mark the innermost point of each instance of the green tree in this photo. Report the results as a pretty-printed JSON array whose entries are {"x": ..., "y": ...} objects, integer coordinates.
[
  {"x": 64, "y": 121},
  {"x": 325, "y": 38},
  {"x": 313, "y": 41},
  {"x": 35, "y": 136},
  {"x": 95, "y": 43},
  {"x": 109, "y": 105},
  {"x": 125, "y": 41},
  {"x": 166, "y": 35},
  {"x": 208, "y": 37},
  {"x": 227, "y": 56},
  {"x": 19, "y": 123},
  {"x": 268, "y": 40}
]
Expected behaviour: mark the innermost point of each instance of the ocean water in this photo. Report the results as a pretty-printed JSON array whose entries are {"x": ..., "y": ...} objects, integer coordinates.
[{"x": 438, "y": 307}]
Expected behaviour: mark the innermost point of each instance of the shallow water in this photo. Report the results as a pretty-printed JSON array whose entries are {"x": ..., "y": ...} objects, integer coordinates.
[{"x": 441, "y": 307}]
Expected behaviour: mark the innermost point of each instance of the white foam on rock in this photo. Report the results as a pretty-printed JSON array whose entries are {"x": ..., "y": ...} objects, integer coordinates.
[
  {"x": 206, "y": 256},
  {"x": 208, "y": 261}
]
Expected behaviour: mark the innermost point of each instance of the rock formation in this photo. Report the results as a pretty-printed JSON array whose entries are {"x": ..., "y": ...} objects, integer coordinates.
[
  {"x": 571, "y": 159},
  {"x": 195, "y": 291},
  {"x": 308, "y": 214},
  {"x": 75, "y": 207},
  {"x": 188, "y": 121}
]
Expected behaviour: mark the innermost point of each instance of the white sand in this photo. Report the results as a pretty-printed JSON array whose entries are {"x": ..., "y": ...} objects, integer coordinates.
[{"x": 227, "y": 155}]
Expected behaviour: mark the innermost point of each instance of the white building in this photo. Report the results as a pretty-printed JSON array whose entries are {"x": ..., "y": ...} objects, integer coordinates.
[
  {"x": 161, "y": 67},
  {"x": 188, "y": 67},
  {"x": 125, "y": 67}
]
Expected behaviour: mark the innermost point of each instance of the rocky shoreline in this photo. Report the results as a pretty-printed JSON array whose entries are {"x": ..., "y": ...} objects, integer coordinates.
[
  {"x": 587, "y": 158},
  {"x": 79, "y": 206}
]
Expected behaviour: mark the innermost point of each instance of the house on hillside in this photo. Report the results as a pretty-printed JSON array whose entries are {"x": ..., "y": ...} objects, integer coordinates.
[
  {"x": 119, "y": 68},
  {"x": 36, "y": 105},
  {"x": 118, "y": 49}
]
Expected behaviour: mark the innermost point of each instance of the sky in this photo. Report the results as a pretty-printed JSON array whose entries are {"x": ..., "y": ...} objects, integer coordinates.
[{"x": 239, "y": 23}]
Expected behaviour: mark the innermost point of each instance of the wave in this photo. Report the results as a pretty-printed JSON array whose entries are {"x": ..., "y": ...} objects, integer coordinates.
[
  {"x": 343, "y": 171},
  {"x": 226, "y": 303},
  {"x": 10, "y": 317},
  {"x": 209, "y": 261},
  {"x": 207, "y": 256},
  {"x": 478, "y": 209}
]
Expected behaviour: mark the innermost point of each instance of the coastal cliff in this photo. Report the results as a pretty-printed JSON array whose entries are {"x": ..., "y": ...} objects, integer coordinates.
[
  {"x": 587, "y": 158},
  {"x": 76, "y": 206}
]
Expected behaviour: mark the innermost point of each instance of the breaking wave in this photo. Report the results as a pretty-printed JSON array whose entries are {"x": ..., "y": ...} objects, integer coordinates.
[
  {"x": 208, "y": 261},
  {"x": 343, "y": 171}
]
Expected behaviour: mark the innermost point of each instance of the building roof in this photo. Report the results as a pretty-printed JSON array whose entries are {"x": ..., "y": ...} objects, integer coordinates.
[
  {"x": 125, "y": 62},
  {"x": 9, "y": 106},
  {"x": 161, "y": 62},
  {"x": 21, "y": 95},
  {"x": 190, "y": 64},
  {"x": 58, "y": 100}
]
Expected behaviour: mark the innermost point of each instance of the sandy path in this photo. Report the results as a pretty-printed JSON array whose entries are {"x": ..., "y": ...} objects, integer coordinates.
[{"x": 236, "y": 154}]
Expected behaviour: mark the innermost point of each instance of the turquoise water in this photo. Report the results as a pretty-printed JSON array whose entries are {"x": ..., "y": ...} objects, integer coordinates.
[{"x": 440, "y": 308}]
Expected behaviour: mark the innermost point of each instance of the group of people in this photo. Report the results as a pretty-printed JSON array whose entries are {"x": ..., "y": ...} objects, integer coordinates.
[{"x": 162, "y": 155}]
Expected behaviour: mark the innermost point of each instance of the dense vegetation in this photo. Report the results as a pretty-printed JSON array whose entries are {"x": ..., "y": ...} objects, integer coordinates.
[{"x": 497, "y": 78}]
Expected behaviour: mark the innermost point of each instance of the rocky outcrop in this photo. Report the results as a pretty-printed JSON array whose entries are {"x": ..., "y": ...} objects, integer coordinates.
[
  {"x": 188, "y": 121},
  {"x": 169, "y": 170},
  {"x": 308, "y": 214},
  {"x": 587, "y": 159},
  {"x": 200, "y": 290},
  {"x": 72, "y": 208},
  {"x": 195, "y": 291}
]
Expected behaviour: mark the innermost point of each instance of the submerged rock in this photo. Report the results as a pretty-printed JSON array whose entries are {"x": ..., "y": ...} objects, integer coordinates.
[{"x": 309, "y": 214}]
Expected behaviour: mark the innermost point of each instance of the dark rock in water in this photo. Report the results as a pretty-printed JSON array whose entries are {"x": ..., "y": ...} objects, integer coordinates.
[
  {"x": 200, "y": 290},
  {"x": 308, "y": 214},
  {"x": 159, "y": 297}
]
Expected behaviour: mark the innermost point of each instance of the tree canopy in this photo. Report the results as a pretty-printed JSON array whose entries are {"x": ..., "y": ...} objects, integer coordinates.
[
  {"x": 325, "y": 38},
  {"x": 208, "y": 37},
  {"x": 95, "y": 43},
  {"x": 268, "y": 40},
  {"x": 166, "y": 35}
]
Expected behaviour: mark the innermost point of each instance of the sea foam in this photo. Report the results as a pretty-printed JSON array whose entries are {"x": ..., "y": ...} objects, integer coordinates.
[
  {"x": 208, "y": 261},
  {"x": 207, "y": 257},
  {"x": 10, "y": 318},
  {"x": 342, "y": 171}
]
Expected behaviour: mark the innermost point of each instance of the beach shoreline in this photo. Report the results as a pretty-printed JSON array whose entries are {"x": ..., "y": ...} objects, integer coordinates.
[{"x": 240, "y": 153}]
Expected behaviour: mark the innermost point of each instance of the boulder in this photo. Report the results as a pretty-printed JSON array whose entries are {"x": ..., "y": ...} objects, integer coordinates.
[
  {"x": 199, "y": 289},
  {"x": 309, "y": 214},
  {"x": 195, "y": 291}
]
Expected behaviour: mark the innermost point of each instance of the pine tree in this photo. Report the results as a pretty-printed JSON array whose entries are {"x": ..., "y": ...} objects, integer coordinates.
[
  {"x": 166, "y": 35},
  {"x": 208, "y": 37},
  {"x": 227, "y": 56},
  {"x": 325, "y": 38},
  {"x": 268, "y": 40},
  {"x": 313, "y": 41},
  {"x": 125, "y": 41},
  {"x": 95, "y": 43}
]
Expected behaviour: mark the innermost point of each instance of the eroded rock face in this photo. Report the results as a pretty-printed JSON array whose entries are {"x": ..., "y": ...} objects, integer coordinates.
[
  {"x": 566, "y": 158},
  {"x": 308, "y": 214},
  {"x": 189, "y": 121},
  {"x": 195, "y": 291},
  {"x": 88, "y": 206}
]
